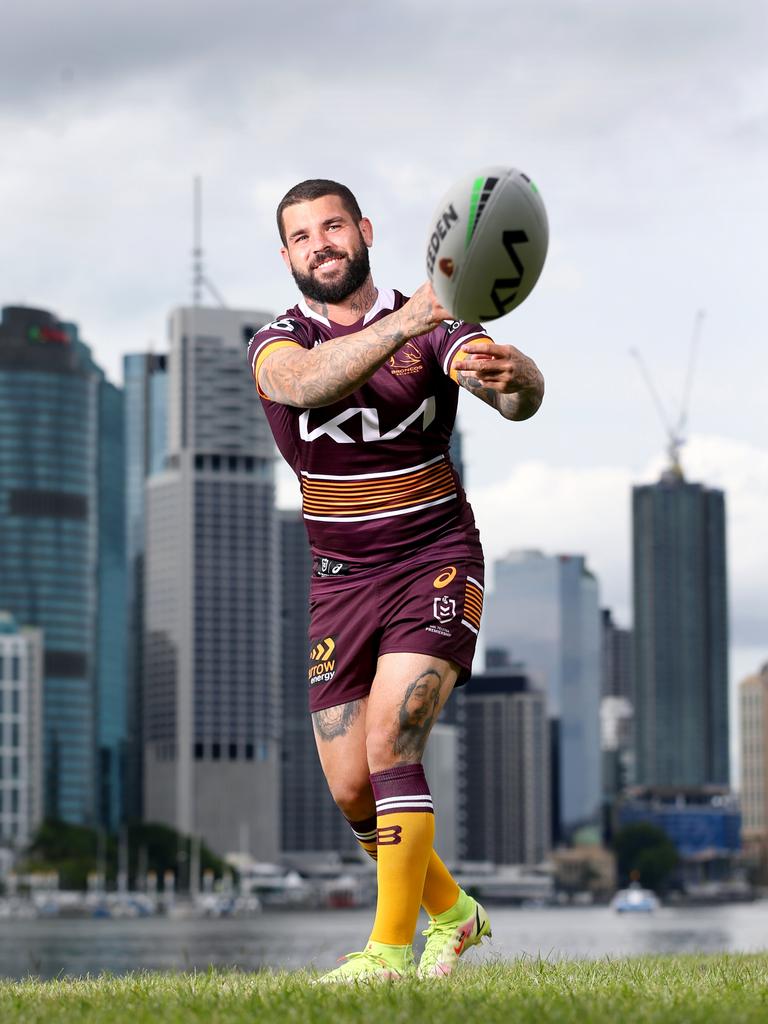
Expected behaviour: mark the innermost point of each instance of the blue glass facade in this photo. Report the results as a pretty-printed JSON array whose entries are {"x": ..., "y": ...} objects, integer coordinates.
[
  {"x": 51, "y": 508},
  {"x": 111, "y": 719},
  {"x": 680, "y": 634},
  {"x": 146, "y": 432}
]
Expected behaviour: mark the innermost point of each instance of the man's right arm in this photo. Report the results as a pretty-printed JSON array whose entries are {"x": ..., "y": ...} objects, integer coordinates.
[{"x": 310, "y": 378}]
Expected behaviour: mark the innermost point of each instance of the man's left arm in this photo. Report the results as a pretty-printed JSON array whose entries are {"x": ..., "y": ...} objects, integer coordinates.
[{"x": 502, "y": 376}]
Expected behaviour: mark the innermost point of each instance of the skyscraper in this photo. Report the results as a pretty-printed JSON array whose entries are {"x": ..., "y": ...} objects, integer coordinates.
[
  {"x": 544, "y": 612},
  {"x": 310, "y": 818},
  {"x": 146, "y": 441},
  {"x": 21, "y": 732},
  {"x": 506, "y": 770},
  {"x": 211, "y": 610},
  {"x": 59, "y": 544},
  {"x": 753, "y": 732},
  {"x": 617, "y": 658},
  {"x": 680, "y": 633}
]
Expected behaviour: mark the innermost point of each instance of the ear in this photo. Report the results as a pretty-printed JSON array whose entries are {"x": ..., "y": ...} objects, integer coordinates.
[
  {"x": 286, "y": 257},
  {"x": 366, "y": 230}
]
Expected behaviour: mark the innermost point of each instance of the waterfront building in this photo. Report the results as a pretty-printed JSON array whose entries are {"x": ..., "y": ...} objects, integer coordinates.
[
  {"x": 616, "y": 658},
  {"x": 680, "y": 633},
  {"x": 21, "y": 732},
  {"x": 442, "y": 761},
  {"x": 311, "y": 821},
  {"x": 544, "y": 613},
  {"x": 753, "y": 738},
  {"x": 146, "y": 440},
  {"x": 703, "y": 823},
  {"x": 212, "y": 597},
  {"x": 506, "y": 767},
  {"x": 60, "y": 556}
]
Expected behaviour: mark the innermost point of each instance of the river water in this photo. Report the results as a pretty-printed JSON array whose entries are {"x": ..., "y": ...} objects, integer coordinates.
[{"x": 290, "y": 939}]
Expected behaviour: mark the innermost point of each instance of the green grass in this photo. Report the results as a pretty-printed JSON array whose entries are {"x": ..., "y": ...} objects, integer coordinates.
[{"x": 684, "y": 989}]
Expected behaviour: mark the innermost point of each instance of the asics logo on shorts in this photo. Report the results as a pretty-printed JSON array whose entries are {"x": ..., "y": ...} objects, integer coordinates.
[{"x": 447, "y": 575}]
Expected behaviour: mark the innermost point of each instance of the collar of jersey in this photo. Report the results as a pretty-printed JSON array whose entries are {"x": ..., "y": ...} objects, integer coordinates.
[{"x": 384, "y": 300}]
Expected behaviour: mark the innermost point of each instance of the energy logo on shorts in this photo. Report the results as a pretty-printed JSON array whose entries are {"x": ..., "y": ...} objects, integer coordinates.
[
  {"x": 322, "y": 666},
  {"x": 447, "y": 575},
  {"x": 481, "y": 193}
]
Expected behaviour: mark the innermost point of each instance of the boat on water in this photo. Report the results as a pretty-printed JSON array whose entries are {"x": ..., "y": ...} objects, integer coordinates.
[{"x": 635, "y": 900}]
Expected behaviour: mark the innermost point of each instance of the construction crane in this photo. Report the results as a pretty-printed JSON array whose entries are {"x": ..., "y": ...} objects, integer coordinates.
[{"x": 675, "y": 428}]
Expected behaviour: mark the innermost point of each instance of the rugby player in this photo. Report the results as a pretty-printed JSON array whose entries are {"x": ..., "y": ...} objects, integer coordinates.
[{"x": 360, "y": 387}]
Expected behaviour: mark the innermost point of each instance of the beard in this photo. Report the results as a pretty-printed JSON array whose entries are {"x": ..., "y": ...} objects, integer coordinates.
[{"x": 355, "y": 273}]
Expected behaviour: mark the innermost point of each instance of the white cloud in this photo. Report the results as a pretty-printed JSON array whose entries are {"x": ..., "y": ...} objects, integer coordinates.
[{"x": 587, "y": 510}]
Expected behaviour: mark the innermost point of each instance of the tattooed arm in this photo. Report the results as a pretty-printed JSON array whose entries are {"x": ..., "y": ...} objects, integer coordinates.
[
  {"x": 503, "y": 377},
  {"x": 310, "y": 378}
]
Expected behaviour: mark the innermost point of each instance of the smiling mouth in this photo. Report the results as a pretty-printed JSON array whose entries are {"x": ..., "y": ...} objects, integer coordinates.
[{"x": 328, "y": 261}]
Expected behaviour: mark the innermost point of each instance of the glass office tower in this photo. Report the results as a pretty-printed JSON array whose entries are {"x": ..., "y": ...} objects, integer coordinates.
[
  {"x": 60, "y": 487},
  {"x": 680, "y": 634},
  {"x": 146, "y": 441}
]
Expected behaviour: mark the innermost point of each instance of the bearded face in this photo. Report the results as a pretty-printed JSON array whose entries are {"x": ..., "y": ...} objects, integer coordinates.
[{"x": 334, "y": 274}]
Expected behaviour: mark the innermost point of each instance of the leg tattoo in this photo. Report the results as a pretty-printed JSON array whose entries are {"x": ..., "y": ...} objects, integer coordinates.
[
  {"x": 416, "y": 715},
  {"x": 332, "y": 722}
]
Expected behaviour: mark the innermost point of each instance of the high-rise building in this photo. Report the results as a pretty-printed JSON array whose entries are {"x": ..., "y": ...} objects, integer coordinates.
[
  {"x": 60, "y": 557},
  {"x": 212, "y": 597},
  {"x": 310, "y": 818},
  {"x": 680, "y": 633},
  {"x": 111, "y": 668},
  {"x": 146, "y": 442},
  {"x": 506, "y": 768},
  {"x": 21, "y": 732},
  {"x": 544, "y": 613},
  {"x": 753, "y": 737},
  {"x": 617, "y": 658}
]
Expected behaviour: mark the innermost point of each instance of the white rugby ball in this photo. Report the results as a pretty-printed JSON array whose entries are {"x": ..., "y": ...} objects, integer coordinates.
[{"x": 487, "y": 243}]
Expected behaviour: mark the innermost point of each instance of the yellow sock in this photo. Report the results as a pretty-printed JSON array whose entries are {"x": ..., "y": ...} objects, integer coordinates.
[
  {"x": 440, "y": 888},
  {"x": 405, "y": 833}
]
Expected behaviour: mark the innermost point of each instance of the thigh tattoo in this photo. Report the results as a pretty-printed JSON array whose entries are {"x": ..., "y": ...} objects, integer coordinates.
[
  {"x": 332, "y": 722},
  {"x": 417, "y": 714}
]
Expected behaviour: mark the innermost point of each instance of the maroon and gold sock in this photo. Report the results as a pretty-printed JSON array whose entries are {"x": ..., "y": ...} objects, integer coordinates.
[{"x": 405, "y": 831}]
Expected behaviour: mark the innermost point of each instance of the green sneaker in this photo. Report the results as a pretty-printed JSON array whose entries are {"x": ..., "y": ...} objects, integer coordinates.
[
  {"x": 377, "y": 962},
  {"x": 452, "y": 933}
]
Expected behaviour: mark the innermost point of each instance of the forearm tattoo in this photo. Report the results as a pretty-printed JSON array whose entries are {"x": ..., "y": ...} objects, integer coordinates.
[
  {"x": 416, "y": 716},
  {"x": 332, "y": 722},
  {"x": 311, "y": 378}
]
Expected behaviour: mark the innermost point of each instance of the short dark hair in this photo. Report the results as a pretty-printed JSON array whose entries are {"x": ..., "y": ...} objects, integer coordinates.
[{"x": 315, "y": 188}]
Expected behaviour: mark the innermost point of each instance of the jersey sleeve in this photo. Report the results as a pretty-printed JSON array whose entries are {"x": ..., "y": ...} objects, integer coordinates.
[
  {"x": 283, "y": 333},
  {"x": 448, "y": 339}
]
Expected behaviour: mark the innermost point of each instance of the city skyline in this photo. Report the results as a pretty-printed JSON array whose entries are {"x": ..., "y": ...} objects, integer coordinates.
[{"x": 643, "y": 125}]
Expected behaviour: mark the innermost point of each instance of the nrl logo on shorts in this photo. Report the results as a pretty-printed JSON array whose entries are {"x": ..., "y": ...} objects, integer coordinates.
[{"x": 444, "y": 609}]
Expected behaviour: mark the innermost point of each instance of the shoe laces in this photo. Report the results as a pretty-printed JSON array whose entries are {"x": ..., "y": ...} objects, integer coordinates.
[
  {"x": 444, "y": 929},
  {"x": 366, "y": 954}
]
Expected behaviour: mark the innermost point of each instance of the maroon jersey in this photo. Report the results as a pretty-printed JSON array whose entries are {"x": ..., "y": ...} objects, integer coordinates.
[{"x": 376, "y": 479}]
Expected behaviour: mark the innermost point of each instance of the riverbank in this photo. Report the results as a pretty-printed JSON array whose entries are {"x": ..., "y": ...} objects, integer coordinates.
[{"x": 646, "y": 990}]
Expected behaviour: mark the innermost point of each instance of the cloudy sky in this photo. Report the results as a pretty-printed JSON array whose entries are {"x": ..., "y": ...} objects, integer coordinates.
[{"x": 644, "y": 124}]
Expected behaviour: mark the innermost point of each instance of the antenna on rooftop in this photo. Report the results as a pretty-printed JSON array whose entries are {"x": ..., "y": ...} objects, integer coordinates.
[
  {"x": 199, "y": 278},
  {"x": 675, "y": 429}
]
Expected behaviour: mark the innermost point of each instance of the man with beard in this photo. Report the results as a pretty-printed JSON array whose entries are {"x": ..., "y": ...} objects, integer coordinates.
[{"x": 360, "y": 387}]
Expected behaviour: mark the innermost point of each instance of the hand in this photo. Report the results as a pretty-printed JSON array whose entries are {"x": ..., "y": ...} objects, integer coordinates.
[
  {"x": 502, "y": 368},
  {"x": 422, "y": 313}
]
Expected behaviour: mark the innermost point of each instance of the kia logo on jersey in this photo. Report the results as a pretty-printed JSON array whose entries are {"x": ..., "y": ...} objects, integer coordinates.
[{"x": 370, "y": 424}]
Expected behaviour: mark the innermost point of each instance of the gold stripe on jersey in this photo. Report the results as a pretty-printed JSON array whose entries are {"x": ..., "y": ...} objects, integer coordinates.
[
  {"x": 339, "y": 499},
  {"x": 460, "y": 355},
  {"x": 473, "y": 604},
  {"x": 266, "y": 350}
]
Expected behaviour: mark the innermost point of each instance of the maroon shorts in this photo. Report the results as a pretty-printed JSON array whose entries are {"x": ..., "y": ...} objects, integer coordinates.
[{"x": 430, "y": 603}]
